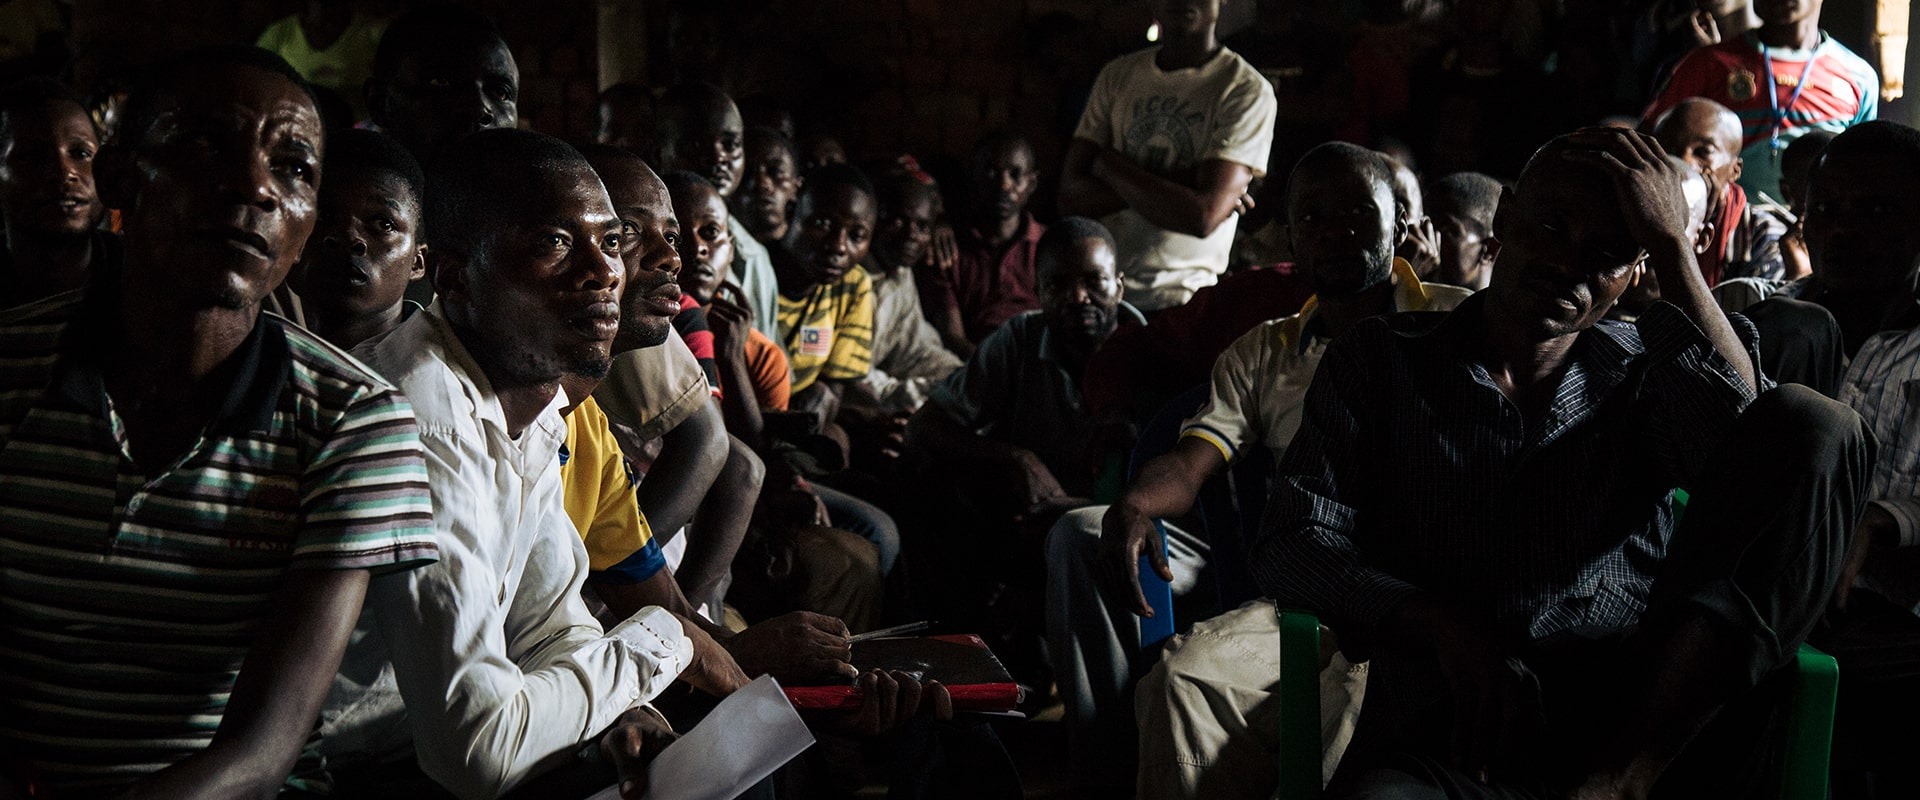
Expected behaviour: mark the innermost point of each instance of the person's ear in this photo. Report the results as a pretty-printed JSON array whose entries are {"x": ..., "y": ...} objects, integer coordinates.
[
  {"x": 1489, "y": 250},
  {"x": 449, "y": 273},
  {"x": 1739, "y": 164},
  {"x": 1703, "y": 241},
  {"x": 419, "y": 269}
]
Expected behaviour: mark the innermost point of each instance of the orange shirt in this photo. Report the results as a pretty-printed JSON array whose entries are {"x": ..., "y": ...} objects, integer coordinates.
[{"x": 767, "y": 364}]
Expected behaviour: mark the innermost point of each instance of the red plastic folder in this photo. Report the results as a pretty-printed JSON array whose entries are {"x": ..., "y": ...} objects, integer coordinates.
[{"x": 962, "y": 662}]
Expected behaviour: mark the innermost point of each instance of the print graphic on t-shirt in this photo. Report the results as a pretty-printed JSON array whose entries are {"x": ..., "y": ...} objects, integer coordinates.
[
  {"x": 815, "y": 341},
  {"x": 1163, "y": 133}
]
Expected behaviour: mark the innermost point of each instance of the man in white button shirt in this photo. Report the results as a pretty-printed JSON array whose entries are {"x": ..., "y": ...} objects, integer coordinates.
[{"x": 489, "y": 667}]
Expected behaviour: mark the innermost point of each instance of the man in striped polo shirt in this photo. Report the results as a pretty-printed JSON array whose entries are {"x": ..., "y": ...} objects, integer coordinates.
[
  {"x": 1785, "y": 78},
  {"x": 187, "y": 484}
]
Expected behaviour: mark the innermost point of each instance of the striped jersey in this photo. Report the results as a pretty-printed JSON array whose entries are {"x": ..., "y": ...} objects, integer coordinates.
[
  {"x": 129, "y": 594},
  {"x": 1842, "y": 91},
  {"x": 828, "y": 333}
]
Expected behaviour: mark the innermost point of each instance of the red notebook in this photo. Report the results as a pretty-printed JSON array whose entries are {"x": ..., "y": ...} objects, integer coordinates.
[{"x": 962, "y": 662}]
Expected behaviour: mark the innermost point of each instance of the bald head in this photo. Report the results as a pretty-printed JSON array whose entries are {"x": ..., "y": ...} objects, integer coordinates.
[{"x": 1707, "y": 135}]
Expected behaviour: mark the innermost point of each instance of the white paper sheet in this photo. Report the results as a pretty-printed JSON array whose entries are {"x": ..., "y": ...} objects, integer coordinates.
[{"x": 744, "y": 739}]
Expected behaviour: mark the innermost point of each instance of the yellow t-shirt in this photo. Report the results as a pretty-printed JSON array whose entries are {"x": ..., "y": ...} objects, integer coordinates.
[
  {"x": 598, "y": 484},
  {"x": 829, "y": 333},
  {"x": 343, "y": 66}
]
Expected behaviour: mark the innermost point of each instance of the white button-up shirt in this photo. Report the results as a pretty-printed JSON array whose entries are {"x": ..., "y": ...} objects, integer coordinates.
[{"x": 488, "y": 662}]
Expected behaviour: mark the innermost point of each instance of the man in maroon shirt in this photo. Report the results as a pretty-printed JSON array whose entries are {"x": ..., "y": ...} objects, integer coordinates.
[{"x": 993, "y": 278}]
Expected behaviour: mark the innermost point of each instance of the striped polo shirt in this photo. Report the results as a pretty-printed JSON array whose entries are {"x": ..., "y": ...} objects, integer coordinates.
[{"x": 130, "y": 593}]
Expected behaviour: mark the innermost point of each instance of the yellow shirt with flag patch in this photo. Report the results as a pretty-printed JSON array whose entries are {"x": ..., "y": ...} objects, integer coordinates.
[{"x": 829, "y": 332}]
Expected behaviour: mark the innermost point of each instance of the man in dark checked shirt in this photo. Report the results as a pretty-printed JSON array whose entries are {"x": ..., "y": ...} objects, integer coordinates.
[{"x": 1483, "y": 500}]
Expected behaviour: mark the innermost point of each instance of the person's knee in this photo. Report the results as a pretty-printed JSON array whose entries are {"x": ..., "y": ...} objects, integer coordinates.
[
  {"x": 1389, "y": 776},
  {"x": 1805, "y": 427},
  {"x": 1075, "y": 538},
  {"x": 743, "y": 469}
]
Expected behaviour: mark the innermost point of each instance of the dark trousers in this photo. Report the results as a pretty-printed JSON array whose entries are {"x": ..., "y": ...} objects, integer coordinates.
[
  {"x": 1875, "y": 737},
  {"x": 1755, "y": 559}
]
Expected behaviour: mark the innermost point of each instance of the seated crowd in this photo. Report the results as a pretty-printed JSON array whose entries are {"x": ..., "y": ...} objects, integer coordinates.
[{"x": 416, "y": 454}]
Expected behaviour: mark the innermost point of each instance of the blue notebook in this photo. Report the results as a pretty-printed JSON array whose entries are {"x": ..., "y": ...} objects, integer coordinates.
[{"x": 1159, "y": 594}]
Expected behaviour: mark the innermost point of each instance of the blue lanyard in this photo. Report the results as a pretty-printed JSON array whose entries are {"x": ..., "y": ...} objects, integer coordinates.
[{"x": 1777, "y": 116}]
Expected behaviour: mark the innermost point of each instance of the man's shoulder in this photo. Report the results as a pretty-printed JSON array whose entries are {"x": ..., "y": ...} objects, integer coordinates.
[
  {"x": 324, "y": 364},
  {"x": 416, "y": 358},
  {"x": 1441, "y": 297},
  {"x": 1021, "y": 332},
  {"x": 1393, "y": 331},
  {"x": 30, "y": 338},
  {"x": 854, "y": 281},
  {"x": 58, "y": 307},
  {"x": 1734, "y": 53},
  {"x": 1859, "y": 69},
  {"x": 744, "y": 243},
  {"x": 1131, "y": 62},
  {"x": 1241, "y": 72},
  {"x": 1888, "y": 349}
]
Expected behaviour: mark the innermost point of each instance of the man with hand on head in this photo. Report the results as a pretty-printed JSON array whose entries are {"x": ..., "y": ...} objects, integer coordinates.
[
  {"x": 145, "y": 657},
  {"x": 1481, "y": 501}
]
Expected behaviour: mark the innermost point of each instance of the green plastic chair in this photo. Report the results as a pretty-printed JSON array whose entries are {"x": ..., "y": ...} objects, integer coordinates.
[{"x": 1803, "y": 770}]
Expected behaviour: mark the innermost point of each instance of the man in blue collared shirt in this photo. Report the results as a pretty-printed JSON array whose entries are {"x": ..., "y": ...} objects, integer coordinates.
[{"x": 1483, "y": 501}]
